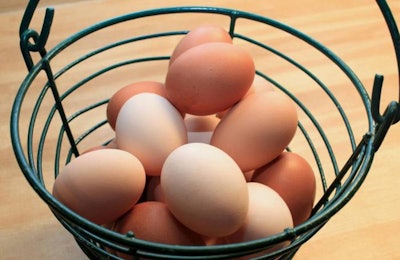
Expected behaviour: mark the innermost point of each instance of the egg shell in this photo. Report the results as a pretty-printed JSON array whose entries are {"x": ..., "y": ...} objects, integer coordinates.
[
  {"x": 150, "y": 127},
  {"x": 257, "y": 129},
  {"x": 292, "y": 177},
  {"x": 205, "y": 189},
  {"x": 209, "y": 78},
  {"x": 259, "y": 84},
  {"x": 268, "y": 215},
  {"x": 200, "y": 128},
  {"x": 203, "y": 34},
  {"x": 119, "y": 98},
  {"x": 152, "y": 221},
  {"x": 101, "y": 185}
]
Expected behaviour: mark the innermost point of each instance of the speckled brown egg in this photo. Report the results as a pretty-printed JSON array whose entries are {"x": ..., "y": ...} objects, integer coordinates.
[{"x": 209, "y": 78}]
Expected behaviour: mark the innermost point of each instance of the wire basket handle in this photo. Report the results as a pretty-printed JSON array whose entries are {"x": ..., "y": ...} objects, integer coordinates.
[
  {"x": 392, "y": 113},
  {"x": 27, "y": 34},
  {"x": 38, "y": 45}
]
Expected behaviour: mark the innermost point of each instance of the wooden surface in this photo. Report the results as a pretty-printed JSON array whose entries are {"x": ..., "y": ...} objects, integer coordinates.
[{"x": 366, "y": 228}]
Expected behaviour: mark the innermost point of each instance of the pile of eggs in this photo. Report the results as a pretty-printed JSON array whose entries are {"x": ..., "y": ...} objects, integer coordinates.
[{"x": 198, "y": 159}]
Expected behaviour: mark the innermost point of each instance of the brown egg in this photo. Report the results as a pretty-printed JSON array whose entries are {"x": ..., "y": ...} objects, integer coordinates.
[
  {"x": 205, "y": 189},
  {"x": 122, "y": 95},
  {"x": 292, "y": 177},
  {"x": 200, "y": 35},
  {"x": 101, "y": 185},
  {"x": 152, "y": 221},
  {"x": 257, "y": 129},
  {"x": 209, "y": 78}
]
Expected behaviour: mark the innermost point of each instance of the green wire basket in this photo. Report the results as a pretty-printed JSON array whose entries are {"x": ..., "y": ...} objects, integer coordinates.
[{"x": 52, "y": 122}]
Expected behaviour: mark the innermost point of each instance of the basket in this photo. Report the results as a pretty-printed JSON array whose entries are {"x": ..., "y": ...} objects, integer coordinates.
[{"x": 52, "y": 122}]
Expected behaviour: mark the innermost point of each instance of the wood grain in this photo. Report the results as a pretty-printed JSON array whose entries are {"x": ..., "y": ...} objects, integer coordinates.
[{"x": 366, "y": 228}]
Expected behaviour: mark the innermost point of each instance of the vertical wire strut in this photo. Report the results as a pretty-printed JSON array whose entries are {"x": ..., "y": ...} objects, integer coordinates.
[{"x": 31, "y": 41}]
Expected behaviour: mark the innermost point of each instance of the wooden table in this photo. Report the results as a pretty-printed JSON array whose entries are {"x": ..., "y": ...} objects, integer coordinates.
[{"x": 366, "y": 228}]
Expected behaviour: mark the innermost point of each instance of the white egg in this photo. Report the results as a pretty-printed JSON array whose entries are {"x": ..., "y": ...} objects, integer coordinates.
[{"x": 150, "y": 127}]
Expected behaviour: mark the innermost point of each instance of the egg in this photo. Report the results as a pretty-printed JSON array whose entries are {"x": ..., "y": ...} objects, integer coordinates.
[
  {"x": 199, "y": 35},
  {"x": 118, "y": 99},
  {"x": 101, "y": 185},
  {"x": 292, "y": 177},
  {"x": 152, "y": 221},
  {"x": 268, "y": 215},
  {"x": 150, "y": 127},
  {"x": 209, "y": 78},
  {"x": 200, "y": 128},
  {"x": 205, "y": 189},
  {"x": 259, "y": 84},
  {"x": 257, "y": 129}
]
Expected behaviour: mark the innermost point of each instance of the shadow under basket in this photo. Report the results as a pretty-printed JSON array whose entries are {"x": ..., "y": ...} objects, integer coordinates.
[{"x": 52, "y": 121}]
